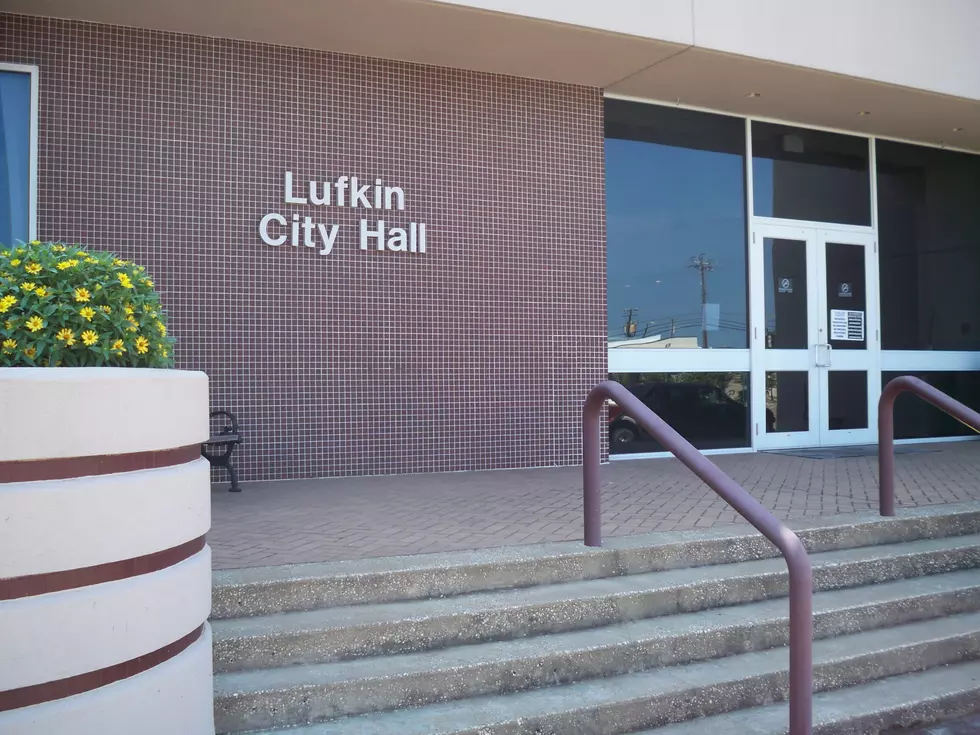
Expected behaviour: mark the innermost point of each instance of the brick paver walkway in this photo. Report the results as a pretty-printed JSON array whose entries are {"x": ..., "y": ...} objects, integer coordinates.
[{"x": 326, "y": 520}]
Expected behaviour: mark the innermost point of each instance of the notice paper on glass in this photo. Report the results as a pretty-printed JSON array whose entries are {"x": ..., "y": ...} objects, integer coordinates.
[{"x": 846, "y": 326}]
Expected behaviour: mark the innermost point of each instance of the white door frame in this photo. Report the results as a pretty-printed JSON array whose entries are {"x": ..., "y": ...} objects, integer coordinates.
[{"x": 819, "y": 359}]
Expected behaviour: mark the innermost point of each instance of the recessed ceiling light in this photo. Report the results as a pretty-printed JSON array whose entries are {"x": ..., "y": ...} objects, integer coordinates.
[
  {"x": 754, "y": 94},
  {"x": 863, "y": 113},
  {"x": 957, "y": 130}
]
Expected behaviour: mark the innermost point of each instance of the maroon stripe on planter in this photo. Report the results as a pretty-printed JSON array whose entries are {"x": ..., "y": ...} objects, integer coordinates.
[
  {"x": 64, "y": 468},
  {"x": 29, "y": 585},
  {"x": 49, "y": 691}
]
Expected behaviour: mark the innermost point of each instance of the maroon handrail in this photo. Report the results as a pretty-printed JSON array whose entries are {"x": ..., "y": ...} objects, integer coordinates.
[
  {"x": 788, "y": 543},
  {"x": 886, "y": 429}
]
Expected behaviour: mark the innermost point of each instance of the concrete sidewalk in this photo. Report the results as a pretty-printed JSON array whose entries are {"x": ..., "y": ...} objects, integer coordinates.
[{"x": 351, "y": 518}]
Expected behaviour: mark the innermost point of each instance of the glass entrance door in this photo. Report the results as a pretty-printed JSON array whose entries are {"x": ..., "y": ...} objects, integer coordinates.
[{"x": 816, "y": 373}]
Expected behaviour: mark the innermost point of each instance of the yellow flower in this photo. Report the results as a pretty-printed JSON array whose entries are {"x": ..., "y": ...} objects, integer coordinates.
[
  {"x": 64, "y": 265},
  {"x": 129, "y": 309},
  {"x": 33, "y": 268},
  {"x": 142, "y": 345},
  {"x": 67, "y": 336},
  {"x": 90, "y": 259},
  {"x": 41, "y": 292},
  {"x": 29, "y": 286},
  {"x": 118, "y": 346},
  {"x": 87, "y": 313},
  {"x": 89, "y": 337},
  {"x": 124, "y": 281},
  {"x": 82, "y": 294},
  {"x": 9, "y": 324},
  {"x": 163, "y": 351},
  {"x": 162, "y": 328},
  {"x": 106, "y": 309},
  {"x": 9, "y": 345},
  {"x": 6, "y": 302},
  {"x": 119, "y": 263},
  {"x": 30, "y": 352},
  {"x": 15, "y": 262},
  {"x": 148, "y": 283},
  {"x": 35, "y": 242},
  {"x": 35, "y": 324},
  {"x": 57, "y": 248}
]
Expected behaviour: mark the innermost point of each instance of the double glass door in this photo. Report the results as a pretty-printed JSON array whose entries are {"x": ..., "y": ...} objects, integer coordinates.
[{"x": 817, "y": 339}]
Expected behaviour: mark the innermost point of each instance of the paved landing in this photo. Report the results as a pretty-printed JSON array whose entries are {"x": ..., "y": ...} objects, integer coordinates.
[{"x": 350, "y": 518}]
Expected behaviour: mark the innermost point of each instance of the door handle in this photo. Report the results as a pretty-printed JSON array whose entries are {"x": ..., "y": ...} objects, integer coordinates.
[{"x": 816, "y": 354}]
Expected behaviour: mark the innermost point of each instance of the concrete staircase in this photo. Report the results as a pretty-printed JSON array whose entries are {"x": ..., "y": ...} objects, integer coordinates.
[{"x": 646, "y": 635}]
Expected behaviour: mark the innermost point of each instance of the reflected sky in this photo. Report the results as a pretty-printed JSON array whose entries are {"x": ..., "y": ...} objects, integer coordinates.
[{"x": 665, "y": 205}]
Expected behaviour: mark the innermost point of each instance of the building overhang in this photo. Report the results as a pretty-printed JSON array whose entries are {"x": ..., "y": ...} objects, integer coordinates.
[{"x": 456, "y": 36}]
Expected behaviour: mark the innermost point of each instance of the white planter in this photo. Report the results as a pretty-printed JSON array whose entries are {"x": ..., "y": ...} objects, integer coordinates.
[{"x": 105, "y": 578}]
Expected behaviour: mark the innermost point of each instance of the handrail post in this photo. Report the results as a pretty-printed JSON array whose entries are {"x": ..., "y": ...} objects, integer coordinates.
[
  {"x": 886, "y": 429},
  {"x": 591, "y": 416},
  {"x": 886, "y": 449},
  {"x": 788, "y": 543},
  {"x": 800, "y": 643}
]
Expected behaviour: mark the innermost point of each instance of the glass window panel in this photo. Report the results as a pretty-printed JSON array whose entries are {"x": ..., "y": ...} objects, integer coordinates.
[
  {"x": 786, "y": 301},
  {"x": 787, "y": 401},
  {"x": 929, "y": 247},
  {"x": 676, "y": 228},
  {"x": 847, "y": 296},
  {"x": 710, "y": 410},
  {"x": 848, "y": 399},
  {"x": 810, "y": 175},
  {"x": 15, "y": 152},
  {"x": 916, "y": 419}
]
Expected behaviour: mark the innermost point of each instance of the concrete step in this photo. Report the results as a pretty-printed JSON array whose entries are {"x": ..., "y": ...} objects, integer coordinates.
[
  {"x": 301, "y": 694},
  {"x": 896, "y": 702},
  {"x": 268, "y": 590},
  {"x": 631, "y": 702},
  {"x": 336, "y": 634}
]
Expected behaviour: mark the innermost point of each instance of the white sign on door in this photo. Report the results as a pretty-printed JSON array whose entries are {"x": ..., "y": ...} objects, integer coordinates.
[{"x": 846, "y": 326}]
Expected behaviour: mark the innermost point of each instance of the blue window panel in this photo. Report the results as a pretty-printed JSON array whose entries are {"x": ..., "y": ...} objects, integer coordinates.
[{"x": 15, "y": 156}]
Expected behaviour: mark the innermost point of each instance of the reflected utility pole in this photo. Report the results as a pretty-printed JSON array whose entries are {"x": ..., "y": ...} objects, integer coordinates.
[
  {"x": 703, "y": 265},
  {"x": 629, "y": 329}
]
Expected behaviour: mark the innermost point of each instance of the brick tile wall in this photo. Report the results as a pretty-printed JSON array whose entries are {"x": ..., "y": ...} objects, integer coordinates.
[{"x": 169, "y": 149}]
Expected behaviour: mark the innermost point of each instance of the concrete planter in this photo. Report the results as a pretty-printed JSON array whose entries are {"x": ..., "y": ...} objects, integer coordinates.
[{"x": 105, "y": 577}]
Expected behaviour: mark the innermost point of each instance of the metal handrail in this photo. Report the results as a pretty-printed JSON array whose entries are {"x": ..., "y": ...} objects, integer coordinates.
[
  {"x": 788, "y": 543},
  {"x": 886, "y": 429}
]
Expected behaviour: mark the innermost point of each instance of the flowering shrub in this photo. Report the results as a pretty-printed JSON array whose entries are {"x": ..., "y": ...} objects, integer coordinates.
[{"x": 61, "y": 305}]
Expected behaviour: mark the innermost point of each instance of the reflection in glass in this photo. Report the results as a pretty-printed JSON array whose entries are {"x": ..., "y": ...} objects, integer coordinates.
[
  {"x": 710, "y": 410},
  {"x": 15, "y": 151},
  {"x": 785, "y": 291},
  {"x": 916, "y": 419},
  {"x": 848, "y": 399},
  {"x": 810, "y": 175},
  {"x": 787, "y": 401},
  {"x": 929, "y": 236},
  {"x": 847, "y": 297},
  {"x": 676, "y": 228}
]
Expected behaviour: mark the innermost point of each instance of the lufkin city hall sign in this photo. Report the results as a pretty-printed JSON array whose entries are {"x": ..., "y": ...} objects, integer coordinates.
[{"x": 347, "y": 191}]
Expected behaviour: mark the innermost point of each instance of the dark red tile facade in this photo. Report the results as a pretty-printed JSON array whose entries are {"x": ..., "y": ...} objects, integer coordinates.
[{"x": 169, "y": 149}]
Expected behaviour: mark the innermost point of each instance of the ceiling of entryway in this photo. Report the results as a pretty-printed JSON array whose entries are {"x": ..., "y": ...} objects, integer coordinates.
[{"x": 453, "y": 35}]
